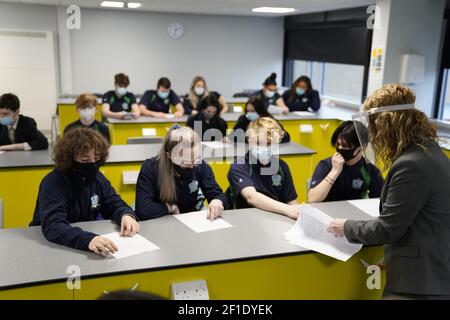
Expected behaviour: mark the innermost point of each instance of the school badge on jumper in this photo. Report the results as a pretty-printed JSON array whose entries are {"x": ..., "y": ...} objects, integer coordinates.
[
  {"x": 125, "y": 106},
  {"x": 357, "y": 184},
  {"x": 276, "y": 180},
  {"x": 193, "y": 186},
  {"x": 94, "y": 201},
  {"x": 305, "y": 100},
  {"x": 166, "y": 101}
]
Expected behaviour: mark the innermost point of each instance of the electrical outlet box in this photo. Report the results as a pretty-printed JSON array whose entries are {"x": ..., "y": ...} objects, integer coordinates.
[
  {"x": 192, "y": 290},
  {"x": 412, "y": 69}
]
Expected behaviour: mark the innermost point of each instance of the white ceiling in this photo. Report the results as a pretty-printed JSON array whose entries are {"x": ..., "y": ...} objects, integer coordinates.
[{"x": 222, "y": 7}]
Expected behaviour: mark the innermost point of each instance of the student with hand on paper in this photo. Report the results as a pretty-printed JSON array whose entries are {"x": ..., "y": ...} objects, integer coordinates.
[
  {"x": 346, "y": 175},
  {"x": 178, "y": 180},
  {"x": 17, "y": 132},
  {"x": 207, "y": 121},
  {"x": 199, "y": 91},
  {"x": 270, "y": 96},
  {"x": 302, "y": 96},
  {"x": 156, "y": 103},
  {"x": 76, "y": 191},
  {"x": 414, "y": 221},
  {"x": 263, "y": 180},
  {"x": 87, "y": 108},
  {"x": 254, "y": 109},
  {"x": 120, "y": 103}
]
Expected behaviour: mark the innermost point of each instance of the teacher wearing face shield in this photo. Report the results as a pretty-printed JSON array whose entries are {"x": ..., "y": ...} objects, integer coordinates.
[{"x": 414, "y": 221}]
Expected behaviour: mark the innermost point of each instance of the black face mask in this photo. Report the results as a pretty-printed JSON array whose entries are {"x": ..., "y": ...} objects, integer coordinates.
[
  {"x": 347, "y": 154},
  {"x": 87, "y": 170},
  {"x": 183, "y": 172}
]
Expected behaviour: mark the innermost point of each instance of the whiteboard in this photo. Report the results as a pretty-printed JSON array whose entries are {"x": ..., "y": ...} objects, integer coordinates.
[{"x": 27, "y": 68}]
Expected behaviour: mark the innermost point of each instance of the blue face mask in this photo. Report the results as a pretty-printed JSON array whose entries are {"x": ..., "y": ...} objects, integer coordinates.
[
  {"x": 121, "y": 91},
  {"x": 7, "y": 121},
  {"x": 252, "y": 116},
  {"x": 163, "y": 95},
  {"x": 299, "y": 91},
  {"x": 269, "y": 94},
  {"x": 262, "y": 154}
]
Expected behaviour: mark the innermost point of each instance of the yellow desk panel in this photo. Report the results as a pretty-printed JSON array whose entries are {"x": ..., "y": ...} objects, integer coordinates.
[
  {"x": 120, "y": 132},
  {"x": 447, "y": 152},
  {"x": 68, "y": 114},
  {"x": 303, "y": 276},
  {"x": 54, "y": 291}
]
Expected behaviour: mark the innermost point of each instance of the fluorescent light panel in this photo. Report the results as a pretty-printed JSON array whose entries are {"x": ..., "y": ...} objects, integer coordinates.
[
  {"x": 273, "y": 10},
  {"x": 133, "y": 5},
  {"x": 112, "y": 4}
]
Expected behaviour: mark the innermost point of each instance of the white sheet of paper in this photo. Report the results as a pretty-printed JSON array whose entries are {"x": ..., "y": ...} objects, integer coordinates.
[
  {"x": 274, "y": 109},
  {"x": 198, "y": 221},
  {"x": 169, "y": 116},
  {"x": 216, "y": 144},
  {"x": 130, "y": 177},
  {"x": 310, "y": 232},
  {"x": 146, "y": 132},
  {"x": 369, "y": 206},
  {"x": 130, "y": 246},
  {"x": 303, "y": 113}
]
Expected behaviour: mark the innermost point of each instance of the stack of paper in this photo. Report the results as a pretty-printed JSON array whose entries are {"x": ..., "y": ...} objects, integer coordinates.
[
  {"x": 310, "y": 232},
  {"x": 130, "y": 246},
  {"x": 369, "y": 206},
  {"x": 199, "y": 222}
]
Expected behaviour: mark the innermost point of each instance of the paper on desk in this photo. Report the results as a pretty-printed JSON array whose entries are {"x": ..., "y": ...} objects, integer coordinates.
[
  {"x": 216, "y": 144},
  {"x": 310, "y": 232},
  {"x": 169, "y": 116},
  {"x": 130, "y": 246},
  {"x": 303, "y": 113},
  {"x": 198, "y": 221},
  {"x": 274, "y": 109},
  {"x": 369, "y": 206}
]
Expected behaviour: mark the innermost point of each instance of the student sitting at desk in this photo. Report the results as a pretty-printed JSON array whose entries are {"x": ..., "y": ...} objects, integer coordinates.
[
  {"x": 120, "y": 103},
  {"x": 263, "y": 180},
  {"x": 18, "y": 132},
  {"x": 346, "y": 175},
  {"x": 208, "y": 120},
  {"x": 87, "y": 107},
  {"x": 302, "y": 96},
  {"x": 270, "y": 96},
  {"x": 170, "y": 183},
  {"x": 255, "y": 109},
  {"x": 76, "y": 191},
  {"x": 156, "y": 103},
  {"x": 199, "y": 91}
]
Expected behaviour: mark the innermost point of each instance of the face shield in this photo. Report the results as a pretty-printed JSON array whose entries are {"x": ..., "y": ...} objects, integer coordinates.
[{"x": 363, "y": 122}]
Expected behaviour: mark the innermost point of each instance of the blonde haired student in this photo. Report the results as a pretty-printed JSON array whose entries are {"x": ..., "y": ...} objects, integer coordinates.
[{"x": 197, "y": 92}]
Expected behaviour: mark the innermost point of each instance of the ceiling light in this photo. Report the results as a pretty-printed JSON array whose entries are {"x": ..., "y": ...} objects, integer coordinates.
[
  {"x": 133, "y": 5},
  {"x": 273, "y": 10},
  {"x": 112, "y": 4}
]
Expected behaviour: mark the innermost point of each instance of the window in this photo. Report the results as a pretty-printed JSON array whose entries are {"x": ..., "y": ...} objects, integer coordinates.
[
  {"x": 335, "y": 80},
  {"x": 444, "y": 105}
]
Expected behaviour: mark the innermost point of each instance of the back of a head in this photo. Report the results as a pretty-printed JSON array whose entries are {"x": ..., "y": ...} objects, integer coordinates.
[
  {"x": 86, "y": 100},
  {"x": 209, "y": 101},
  {"x": 164, "y": 83},
  {"x": 9, "y": 101},
  {"x": 271, "y": 80},
  {"x": 265, "y": 130}
]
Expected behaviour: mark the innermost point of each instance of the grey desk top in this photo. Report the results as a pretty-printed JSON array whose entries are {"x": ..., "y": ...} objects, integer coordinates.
[
  {"x": 27, "y": 258},
  {"x": 124, "y": 153}
]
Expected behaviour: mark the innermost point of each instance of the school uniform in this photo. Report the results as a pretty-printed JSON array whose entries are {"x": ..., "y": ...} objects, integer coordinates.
[
  {"x": 359, "y": 181},
  {"x": 23, "y": 131},
  {"x": 66, "y": 198},
  {"x": 96, "y": 125},
  {"x": 267, "y": 101},
  {"x": 242, "y": 123},
  {"x": 188, "y": 106},
  {"x": 309, "y": 100},
  {"x": 119, "y": 104},
  {"x": 215, "y": 123},
  {"x": 191, "y": 190},
  {"x": 278, "y": 186},
  {"x": 152, "y": 101}
]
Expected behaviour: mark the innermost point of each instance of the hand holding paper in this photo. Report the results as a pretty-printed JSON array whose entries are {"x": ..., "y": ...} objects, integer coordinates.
[
  {"x": 198, "y": 221},
  {"x": 130, "y": 246}
]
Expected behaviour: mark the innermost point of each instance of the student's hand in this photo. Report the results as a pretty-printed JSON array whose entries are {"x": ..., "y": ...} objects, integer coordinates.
[
  {"x": 285, "y": 110},
  {"x": 336, "y": 227},
  {"x": 160, "y": 115},
  {"x": 194, "y": 112},
  {"x": 128, "y": 226},
  {"x": 293, "y": 211},
  {"x": 178, "y": 114},
  {"x": 135, "y": 115},
  {"x": 337, "y": 162},
  {"x": 102, "y": 246},
  {"x": 173, "y": 208},
  {"x": 215, "y": 209}
]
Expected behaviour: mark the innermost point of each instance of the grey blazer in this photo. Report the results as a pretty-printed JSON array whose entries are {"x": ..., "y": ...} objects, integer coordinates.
[{"x": 414, "y": 223}]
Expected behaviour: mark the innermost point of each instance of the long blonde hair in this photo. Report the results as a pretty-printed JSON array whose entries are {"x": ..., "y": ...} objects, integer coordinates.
[
  {"x": 192, "y": 96},
  {"x": 177, "y": 136},
  {"x": 391, "y": 133}
]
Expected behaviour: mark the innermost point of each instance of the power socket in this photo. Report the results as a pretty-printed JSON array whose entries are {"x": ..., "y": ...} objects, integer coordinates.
[{"x": 192, "y": 290}]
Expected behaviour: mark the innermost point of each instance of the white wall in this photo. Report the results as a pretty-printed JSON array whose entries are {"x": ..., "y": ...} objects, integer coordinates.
[{"x": 231, "y": 52}]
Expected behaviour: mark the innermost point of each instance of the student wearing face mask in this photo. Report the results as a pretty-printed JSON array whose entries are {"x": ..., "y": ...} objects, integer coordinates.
[
  {"x": 255, "y": 109},
  {"x": 76, "y": 191},
  {"x": 199, "y": 91},
  {"x": 207, "y": 119},
  {"x": 156, "y": 103},
  {"x": 87, "y": 107},
  {"x": 170, "y": 183},
  {"x": 346, "y": 175},
  {"x": 120, "y": 103},
  {"x": 302, "y": 96},
  {"x": 270, "y": 96},
  {"x": 18, "y": 132},
  {"x": 263, "y": 180}
]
